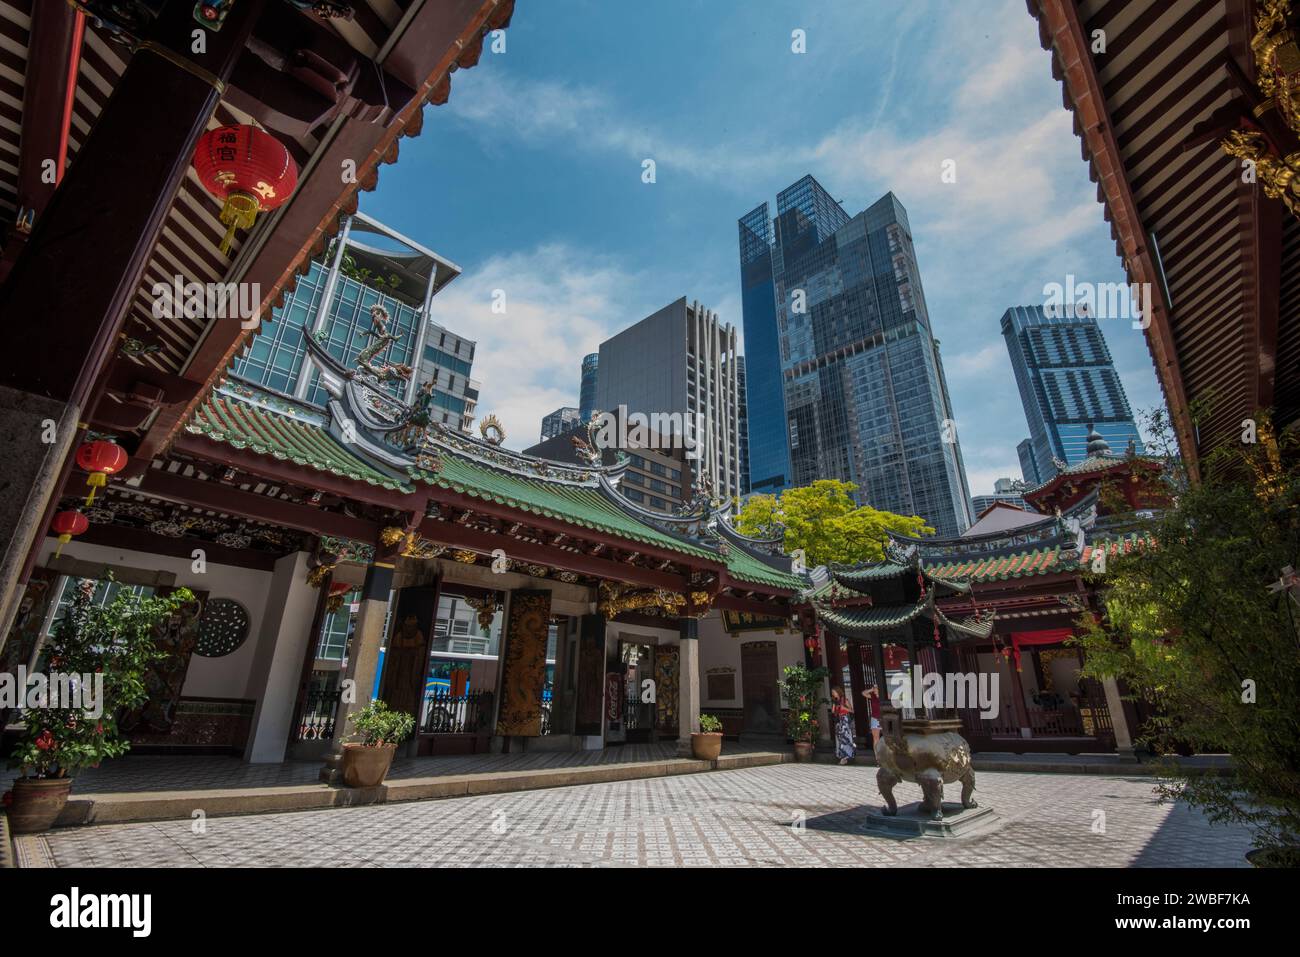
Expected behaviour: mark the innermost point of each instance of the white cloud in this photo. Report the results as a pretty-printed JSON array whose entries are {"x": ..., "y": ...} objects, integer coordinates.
[{"x": 559, "y": 306}]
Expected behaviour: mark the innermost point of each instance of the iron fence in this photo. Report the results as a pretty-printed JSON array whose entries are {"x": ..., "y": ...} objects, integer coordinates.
[
  {"x": 319, "y": 712},
  {"x": 446, "y": 713}
]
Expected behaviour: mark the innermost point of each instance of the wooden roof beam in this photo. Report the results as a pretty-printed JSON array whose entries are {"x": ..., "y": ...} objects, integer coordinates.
[
  {"x": 1059, "y": 21},
  {"x": 53, "y": 57},
  {"x": 274, "y": 511}
]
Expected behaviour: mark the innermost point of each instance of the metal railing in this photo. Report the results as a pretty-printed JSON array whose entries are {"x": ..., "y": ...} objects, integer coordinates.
[
  {"x": 445, "y": 713},
  {"x": 319, "y": 712}
]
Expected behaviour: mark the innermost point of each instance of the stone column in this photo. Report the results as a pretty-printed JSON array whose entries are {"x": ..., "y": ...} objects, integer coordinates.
[
  {"x": 363, "y": 658},
  {"x": 1119, "y": 720},
  {"x": 277, "y": 664},
  {"x": 688, "y": 683}
]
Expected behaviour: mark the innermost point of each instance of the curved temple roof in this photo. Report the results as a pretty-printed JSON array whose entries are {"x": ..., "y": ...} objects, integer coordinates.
[{"x": 245, "y": 416}]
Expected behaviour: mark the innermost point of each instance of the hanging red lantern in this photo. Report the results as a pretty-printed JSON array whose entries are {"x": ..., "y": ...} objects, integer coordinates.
[
  {"x": 248, "y": 169},
  {"x": 101, "y": 459},
  {"x": 65, "y": 525}
]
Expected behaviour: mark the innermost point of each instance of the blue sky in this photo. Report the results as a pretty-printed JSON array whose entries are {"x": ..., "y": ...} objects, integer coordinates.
[{"x": 530, "y": 180}]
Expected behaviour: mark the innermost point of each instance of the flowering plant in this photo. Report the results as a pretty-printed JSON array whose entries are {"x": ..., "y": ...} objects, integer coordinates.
[
  {"x": 802, "y": 689},
  {"x": 97, "y": 658}
]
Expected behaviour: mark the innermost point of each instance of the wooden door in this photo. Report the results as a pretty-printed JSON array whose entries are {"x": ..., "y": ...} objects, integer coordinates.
[{"x": 762, "y": 697}]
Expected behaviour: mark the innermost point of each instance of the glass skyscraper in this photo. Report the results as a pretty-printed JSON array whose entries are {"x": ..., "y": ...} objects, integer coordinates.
[
  {"x": 844, "y": 378},
  {"x": 369, "y": 265},
  {"x": 1067, "y": 382},
  {"x": 587, "y": 391}
]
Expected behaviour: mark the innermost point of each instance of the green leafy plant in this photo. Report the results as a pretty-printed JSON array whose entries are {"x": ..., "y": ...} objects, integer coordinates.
[
  {"x": 378, "y": 725},
  {"x": 802, "y": 690},
  {"x": 709, "y": 724},
  {"x": 114, "y": 640},
  {"x": 1200, "y": 624},
  {"x": 825, "y": 522}
]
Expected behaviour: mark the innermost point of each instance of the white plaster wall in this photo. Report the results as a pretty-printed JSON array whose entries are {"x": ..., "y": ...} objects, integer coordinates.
[
  {"x": 719, "y": 650},
  {"x": 273, "y": 679},
  {"x": 225, "y": 677}
]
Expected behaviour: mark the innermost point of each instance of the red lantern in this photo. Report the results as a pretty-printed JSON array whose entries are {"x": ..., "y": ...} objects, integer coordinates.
[
  {"x": 248, "y": 169},
  {"x": 65, "y": 525},
  {"x": 101, "y": 459}
]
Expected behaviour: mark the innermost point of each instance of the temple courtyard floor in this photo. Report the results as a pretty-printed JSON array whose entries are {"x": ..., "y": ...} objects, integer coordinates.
[{"x": 772, "y": 814}]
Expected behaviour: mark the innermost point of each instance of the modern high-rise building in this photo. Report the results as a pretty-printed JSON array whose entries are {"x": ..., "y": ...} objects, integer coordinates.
[
  {"x": 1004, "y": 492},
  {"x": 1068, "y": 385},
  {"x": 680, "y": 362},
  {"x": 587, "y": 390},
  {"x": 561, "y": 420},
  {"x": 368, "y": 265},
  {"x": 742, "y": 424},
  {"x": 843, "y": 371}
]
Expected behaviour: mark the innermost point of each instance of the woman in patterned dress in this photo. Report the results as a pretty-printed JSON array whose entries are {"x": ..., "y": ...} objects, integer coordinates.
[{"x": 845, "y": 738}]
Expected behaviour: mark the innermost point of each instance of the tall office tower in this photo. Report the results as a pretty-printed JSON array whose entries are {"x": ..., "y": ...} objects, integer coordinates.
[
  {"x": 1067, "y": 383},
  {"x": 742, "y": 425},
  {"x": 843, "y": 372},
  {"x": 561, "y": 420},
  {"x": 679, "y": 362},
  {"x": 1002, "y": 492},
  {"x": 1028, "y": 467},
  {"x": 587, "y": 391},
  {"x": 369, "y": 264}
]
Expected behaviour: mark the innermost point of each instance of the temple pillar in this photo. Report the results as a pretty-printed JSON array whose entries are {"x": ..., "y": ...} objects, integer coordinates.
[
  {"x": 688, "y": 683},
  {"x": 286, "y": 632},
  {"x": 1018, "y": 701},
  {"x": 818, "y": 659},
  {"x": 406, "y": 660},
  {"x": 1119, "y": 720},
  {"x": 522, "y": 673},
  {"x": 358, "y": 679},
  {"x": 589, "y": 706}
]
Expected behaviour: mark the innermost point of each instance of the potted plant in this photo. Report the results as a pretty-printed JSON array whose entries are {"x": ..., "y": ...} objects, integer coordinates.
[
  {"x": 96, "y": 662},
  {"x": 706, "y": 744},
  {"x": 802, "y": 690},
  {"x": 366, "y": 762}
]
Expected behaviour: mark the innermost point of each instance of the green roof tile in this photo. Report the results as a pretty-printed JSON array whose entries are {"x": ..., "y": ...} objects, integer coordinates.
[{"x": 243, "y": 425}]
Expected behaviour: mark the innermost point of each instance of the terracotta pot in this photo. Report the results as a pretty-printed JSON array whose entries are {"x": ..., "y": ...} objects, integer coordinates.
[
  {"x": 706, "y": 745},
  {"x": 37, "y": 803},
  {"x": 364, "y": 766},
  {"x": 803, "y": 750}
]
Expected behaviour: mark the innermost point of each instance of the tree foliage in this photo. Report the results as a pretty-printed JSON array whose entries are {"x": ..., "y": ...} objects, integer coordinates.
[
  {"x": 823, "y": 520},
  {"x": 1191, "y": 625},
  {"x": 115, "y": 641}
]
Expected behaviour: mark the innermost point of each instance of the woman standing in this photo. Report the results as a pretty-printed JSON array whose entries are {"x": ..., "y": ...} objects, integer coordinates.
[
  {"x": 845, "y": 739},
  {"x": 872, "y": 694}
]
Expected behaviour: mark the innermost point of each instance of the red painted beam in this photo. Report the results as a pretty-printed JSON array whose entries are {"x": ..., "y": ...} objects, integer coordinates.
[
  {"x": 88, "y": 250},
  {"x": 233, "y": 501},
  {"x": 53, "y": 51},
  {"x": 143, "y": 540},
  {"x": 455, "y": 535},
  {"x": 574, "y": 531}
]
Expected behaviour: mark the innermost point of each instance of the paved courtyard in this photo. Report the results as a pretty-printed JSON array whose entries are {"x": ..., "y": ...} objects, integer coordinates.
[{"x": 726, "y": 818}]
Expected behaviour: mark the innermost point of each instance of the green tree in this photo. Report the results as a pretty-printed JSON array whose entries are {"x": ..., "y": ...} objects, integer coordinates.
[
  {"x": 115, "y": 644},
  {"x": 1191, "y": 625},
  {"x": 824, "y": 521}
]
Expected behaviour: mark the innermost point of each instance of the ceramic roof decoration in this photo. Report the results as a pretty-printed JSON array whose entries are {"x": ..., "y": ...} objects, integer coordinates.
[{"x": 367, "y": 436}]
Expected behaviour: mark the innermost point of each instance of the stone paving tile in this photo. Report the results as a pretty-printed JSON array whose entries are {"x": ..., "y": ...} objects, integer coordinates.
[
  {"x": 141, "y": 772},
  {"x": 734, "y": 818}
]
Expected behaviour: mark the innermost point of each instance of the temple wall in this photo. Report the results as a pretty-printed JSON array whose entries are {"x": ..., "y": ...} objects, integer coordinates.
[
  {"x": 720, "y": 657},
  {"x": 225, "y": 677}
]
